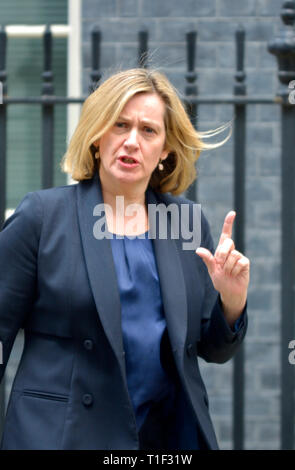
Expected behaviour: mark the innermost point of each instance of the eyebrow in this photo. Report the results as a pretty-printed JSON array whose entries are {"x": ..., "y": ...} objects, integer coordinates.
[{"x": 144, "y": 121}]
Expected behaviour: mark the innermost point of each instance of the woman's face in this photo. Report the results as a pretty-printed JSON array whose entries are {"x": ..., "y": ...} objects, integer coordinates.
[{"x": 131, "y": 149}]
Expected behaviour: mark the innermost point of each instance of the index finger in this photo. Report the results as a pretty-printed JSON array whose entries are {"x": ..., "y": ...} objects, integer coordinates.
[{"x": 227, "y": 226}]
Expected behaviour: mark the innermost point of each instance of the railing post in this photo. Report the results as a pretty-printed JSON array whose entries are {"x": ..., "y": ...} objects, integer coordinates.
[
  {"x": 283, "y": 47},
  {"x": 3, "y": 122},
  {"x": 3, "y": 126},
  {"x": 239, "y": 232},
  {"x": 95, "y": 58},
  {"x": 47, "y": 114},
  {"x": 191, "y": 89},
  {"x": 143, "y": 49}
]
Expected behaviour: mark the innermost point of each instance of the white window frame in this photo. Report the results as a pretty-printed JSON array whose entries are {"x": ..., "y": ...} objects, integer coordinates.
[{"x": 74, "y": 85}]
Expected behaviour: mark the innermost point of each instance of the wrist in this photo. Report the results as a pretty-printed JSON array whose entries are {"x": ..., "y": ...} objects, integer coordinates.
[{"x": 232, "y": 308}]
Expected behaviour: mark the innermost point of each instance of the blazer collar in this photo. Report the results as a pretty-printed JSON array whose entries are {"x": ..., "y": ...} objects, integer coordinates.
[
  {"x": 171, "y": 278},
  {"x": 102, "y": 273},
  {"x": 100, "y": 265}
]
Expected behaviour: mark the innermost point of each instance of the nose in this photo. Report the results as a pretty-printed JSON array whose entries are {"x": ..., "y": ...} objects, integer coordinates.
[{"x": 131, "y": 141}]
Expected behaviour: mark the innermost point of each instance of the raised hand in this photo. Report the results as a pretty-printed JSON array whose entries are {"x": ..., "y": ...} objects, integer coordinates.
[{"x": 229, "y": 270}]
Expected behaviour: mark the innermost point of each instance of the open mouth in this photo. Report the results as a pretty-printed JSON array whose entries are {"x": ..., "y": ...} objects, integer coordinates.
[{"x": 128, "y": 161}]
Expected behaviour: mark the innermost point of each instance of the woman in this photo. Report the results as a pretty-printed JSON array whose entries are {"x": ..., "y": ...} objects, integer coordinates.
[{"x": 114, "y": 313}]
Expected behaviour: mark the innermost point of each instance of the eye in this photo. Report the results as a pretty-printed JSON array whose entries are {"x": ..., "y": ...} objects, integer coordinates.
[
  {"x": 120, "y": 124},
  {"x": 149, "y": 130}
]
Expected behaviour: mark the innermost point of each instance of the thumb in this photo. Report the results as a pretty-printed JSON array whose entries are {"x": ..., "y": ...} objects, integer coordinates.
[{"x": 207, "y": 257}]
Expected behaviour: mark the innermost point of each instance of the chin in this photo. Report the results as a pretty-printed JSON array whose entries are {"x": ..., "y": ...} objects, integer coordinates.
[{"x": 124, "y": 177}]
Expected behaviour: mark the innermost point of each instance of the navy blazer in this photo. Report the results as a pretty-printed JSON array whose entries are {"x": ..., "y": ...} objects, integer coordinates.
[{"x": 58, "y": 283}]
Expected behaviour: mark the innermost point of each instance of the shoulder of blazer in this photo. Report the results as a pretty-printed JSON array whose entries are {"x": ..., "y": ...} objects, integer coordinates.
[
  {"x": 37, "y": 206},
  {"x": 51, "y": 195}
]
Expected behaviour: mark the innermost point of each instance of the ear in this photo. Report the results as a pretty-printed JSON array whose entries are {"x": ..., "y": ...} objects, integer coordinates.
[
  {"x": 96, "y": 149},
  {"x": 164, "y": 154},
  {"x": 96, "y": 143}
]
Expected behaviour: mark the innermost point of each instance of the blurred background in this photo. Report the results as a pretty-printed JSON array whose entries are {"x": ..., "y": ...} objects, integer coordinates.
[{"x": 231, "y": 60}]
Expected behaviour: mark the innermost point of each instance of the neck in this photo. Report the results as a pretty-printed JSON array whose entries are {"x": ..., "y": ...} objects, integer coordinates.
[
  {"x": 119, "y": 220},
  {"x": 133, "y": 194},
  {"x": 130, "y": 197}
]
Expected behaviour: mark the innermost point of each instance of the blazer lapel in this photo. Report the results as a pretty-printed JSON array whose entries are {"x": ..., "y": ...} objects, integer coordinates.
[
  {"x": 172, "y": 282},
  {"x": 100, "y": 265}
]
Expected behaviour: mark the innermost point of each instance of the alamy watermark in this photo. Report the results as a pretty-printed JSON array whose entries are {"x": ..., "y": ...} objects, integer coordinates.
[
  {"x": 1, "y": 93},
  {"x": 173, "y": 220},
  {"x": 292, "y": 93},
  {"x": 1, "y": 353}
]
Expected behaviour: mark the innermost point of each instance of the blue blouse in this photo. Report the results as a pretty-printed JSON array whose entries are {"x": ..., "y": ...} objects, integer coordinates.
[
  {"x": 143, "y": 321},
  {"x": 143, "y": 324}
]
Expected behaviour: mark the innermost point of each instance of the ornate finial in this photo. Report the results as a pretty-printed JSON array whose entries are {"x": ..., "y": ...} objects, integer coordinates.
[
  {"x": 191, "y": 76},
  {"x": 288, "y": 12},
  {"x": 191, "y": 88},
  {"x": 47, "y": 75},
  {"x": 95, "y": 74},
  {"x": 240, "y": 87},
  {"x": 283, "y": 47},
  {"x": 3, "y": 58},
  {"x": 143, "y": 37}
]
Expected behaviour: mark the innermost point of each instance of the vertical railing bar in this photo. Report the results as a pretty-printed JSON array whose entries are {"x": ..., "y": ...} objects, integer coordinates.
[
  {"x": 143, "y": 49},
  {"x": 191, "y": 89},
  {"x": 3, "y": 126},
  {"x": 287, "y": 273},
  {"x": 283, "y": 47},
  {"x": 47, "y": 114},
  {"x": 3, "y": 134},
  {"x": 95, "y": 58},
  {"x": 239, "y": 205}
]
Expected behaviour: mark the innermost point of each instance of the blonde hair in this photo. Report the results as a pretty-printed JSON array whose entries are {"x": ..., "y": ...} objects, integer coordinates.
[{"x": 101, "y": 110}]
